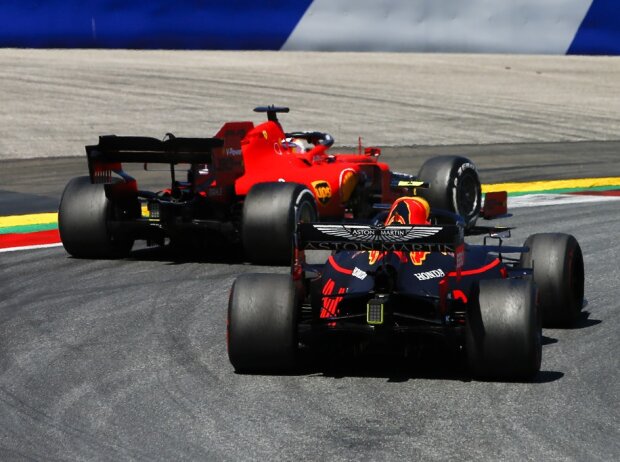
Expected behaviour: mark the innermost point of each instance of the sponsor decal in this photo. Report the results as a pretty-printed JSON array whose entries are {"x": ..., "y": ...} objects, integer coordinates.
[
  {"x": 417, "y": 258},
  {"x": 215, "y": 192},
  {"x": 389, "y": 234},
  {"x": 233, "y": 152},
  {"x": 432, "y": 274},
  {"x": 461, "y": 170},
  {"x": 323, "y": 191},
  {"x": 265, "y": 134},
  {"x": 378, "y": 246},
  {"x": 359, "y": 274}
]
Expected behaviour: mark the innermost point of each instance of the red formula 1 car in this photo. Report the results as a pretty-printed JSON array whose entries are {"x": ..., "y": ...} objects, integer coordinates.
[
  {"x": 248, "y": 184},
  {"x": 407, "y": 283}
]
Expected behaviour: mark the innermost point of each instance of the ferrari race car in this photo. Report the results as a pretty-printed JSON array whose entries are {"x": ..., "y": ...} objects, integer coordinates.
[
  {"x": 248, "y": 184},
  {"x": 405, "y": 283}
]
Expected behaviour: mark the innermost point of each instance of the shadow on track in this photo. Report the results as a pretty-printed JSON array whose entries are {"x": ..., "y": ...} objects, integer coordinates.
[
  {"x": 438, "y": 364},
  {"x": 179, "y": 254},
  {"x": 584, "y": 321}
]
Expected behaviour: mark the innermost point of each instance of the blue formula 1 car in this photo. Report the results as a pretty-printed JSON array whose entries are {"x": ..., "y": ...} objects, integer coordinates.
[{"x": 405, "y": 281}]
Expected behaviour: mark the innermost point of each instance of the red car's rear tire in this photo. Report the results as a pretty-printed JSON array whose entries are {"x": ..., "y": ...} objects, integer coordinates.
[
  {"x": 271, "y": 212},
  {"x": 83, "y": 217}
]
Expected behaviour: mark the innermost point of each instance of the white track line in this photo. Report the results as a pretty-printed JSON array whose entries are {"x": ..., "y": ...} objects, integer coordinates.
[
  {"x": 539, "y": 200},
  {"x": 31, "y": 247}
]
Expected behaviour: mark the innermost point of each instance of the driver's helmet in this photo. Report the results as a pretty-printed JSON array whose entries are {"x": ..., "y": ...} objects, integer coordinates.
[
  {"x": 409, "y": 211},
  {"x": 295, "y": 145}
]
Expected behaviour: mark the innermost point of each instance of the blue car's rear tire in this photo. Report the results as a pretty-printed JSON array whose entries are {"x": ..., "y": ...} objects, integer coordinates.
[
  {"x": 503, "y": 331},
  {"x": 262, "y": 323},
  {"x": 558, "y": 272}
]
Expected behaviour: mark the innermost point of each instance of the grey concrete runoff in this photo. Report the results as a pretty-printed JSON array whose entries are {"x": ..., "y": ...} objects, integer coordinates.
[{"x": 56, "y": 101}]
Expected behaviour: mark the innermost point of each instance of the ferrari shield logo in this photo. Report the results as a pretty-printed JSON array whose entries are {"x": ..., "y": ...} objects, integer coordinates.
[{"x": 322, "y": 191}]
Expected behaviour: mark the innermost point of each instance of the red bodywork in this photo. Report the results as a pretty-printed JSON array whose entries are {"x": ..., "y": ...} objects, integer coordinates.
[{"x": 257, "y": 154}]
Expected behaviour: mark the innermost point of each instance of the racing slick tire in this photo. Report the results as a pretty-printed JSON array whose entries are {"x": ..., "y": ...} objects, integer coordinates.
[
  {"x": 262, "y": 323},
  {"x": 454, "y": 186},
  {"x": 83, "y": 217},
  {"x": 503, "y": 331},
  {"x": 271, "y": 212},
  {"x": 558, "y": 273}
]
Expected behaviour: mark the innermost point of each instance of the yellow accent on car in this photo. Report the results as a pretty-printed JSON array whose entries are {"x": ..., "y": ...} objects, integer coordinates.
[
  {"x": 348, "y": 182},
  {"x": 323, "y": 191},
  {"x": 410, "y": 184}
]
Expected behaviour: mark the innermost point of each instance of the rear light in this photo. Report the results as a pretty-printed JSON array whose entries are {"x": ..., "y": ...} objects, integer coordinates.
[{"x": 374, "y": 311}]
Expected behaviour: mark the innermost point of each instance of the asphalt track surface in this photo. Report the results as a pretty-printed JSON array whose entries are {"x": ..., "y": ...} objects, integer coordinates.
[
  {"x": 126, "y": 359},
  {"x": 117, "y": 360}
]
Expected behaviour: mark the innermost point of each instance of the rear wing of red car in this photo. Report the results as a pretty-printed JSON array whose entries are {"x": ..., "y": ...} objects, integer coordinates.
[
  {"x": 393, "y": 238},
  {"x": 108, "y": 156}
]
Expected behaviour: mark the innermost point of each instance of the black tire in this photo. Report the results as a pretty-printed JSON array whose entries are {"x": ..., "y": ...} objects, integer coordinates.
[
  {"x": 83, "y": 217},
  {"x": 454, "y": 186},
  {"x": 558, "y": 272},
  {"x": 503, "y": 332},
  {"x": 262, "y": 323},
  {"x": 271, "y": 212}
]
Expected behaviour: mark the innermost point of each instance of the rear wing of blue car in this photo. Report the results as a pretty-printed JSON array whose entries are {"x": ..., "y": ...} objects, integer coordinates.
[{"x": 393, "y": 238}]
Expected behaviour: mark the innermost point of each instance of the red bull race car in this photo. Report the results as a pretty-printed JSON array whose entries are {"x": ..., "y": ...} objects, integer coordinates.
[
  {"x": 249, "y": 185},
  {"x": 404, "y": 283}
]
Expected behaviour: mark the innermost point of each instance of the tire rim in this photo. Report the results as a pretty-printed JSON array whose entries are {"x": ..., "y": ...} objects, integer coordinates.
[
  {"x": 467, "y": 195},
  {"x": 305, "y": 213}
]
